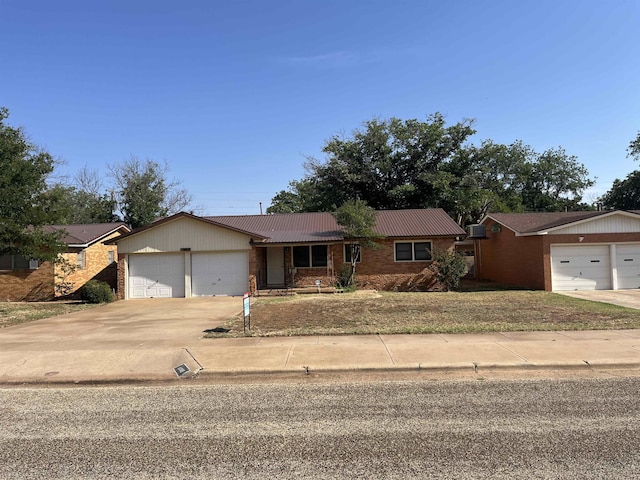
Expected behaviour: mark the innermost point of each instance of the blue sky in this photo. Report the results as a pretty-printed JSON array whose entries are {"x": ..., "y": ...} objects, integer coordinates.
[{"x": 234, "y": 94}]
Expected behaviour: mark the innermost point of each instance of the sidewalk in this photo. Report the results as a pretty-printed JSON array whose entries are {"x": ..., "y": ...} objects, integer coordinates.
[{"x": 94, "y": 361}]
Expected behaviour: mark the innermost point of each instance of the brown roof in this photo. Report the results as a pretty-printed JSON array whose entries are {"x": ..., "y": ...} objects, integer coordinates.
[
  {"x": 535, "y": 222},
  {"x": 322, "y": 227},
  {"x": 86, "y": 233}
]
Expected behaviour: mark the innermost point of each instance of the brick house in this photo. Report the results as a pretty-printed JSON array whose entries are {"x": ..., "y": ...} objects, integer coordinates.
[
  {"x": 29, "y": 280},
  {"x": 597, "y": 250},
  {"x": 186, "y": 255}
]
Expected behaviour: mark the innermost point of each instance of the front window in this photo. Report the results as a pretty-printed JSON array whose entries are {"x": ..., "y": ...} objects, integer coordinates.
[
  {"x": 348, "y": 248},
  {"x": 305, "y": 256},
  {"x": 16, "y": 262},
  {"x": 413, "y": 251}
]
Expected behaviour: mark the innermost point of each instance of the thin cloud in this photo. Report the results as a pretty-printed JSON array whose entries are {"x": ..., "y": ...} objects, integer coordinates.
[{"x": 332, "y": 59}]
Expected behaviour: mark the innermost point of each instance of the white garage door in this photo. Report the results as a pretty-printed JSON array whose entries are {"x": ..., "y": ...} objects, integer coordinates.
[
  {"x": 222, "y": 273},
  {"x": 628, "y": 266},
  {"x": 156, "y": 275},
  {"x": 580, "y": 267}
]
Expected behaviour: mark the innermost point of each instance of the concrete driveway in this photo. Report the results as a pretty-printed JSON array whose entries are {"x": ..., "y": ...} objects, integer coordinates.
[
  {"x": 624, "y": 298},
  {"x": 159, "y": 321},
  {"x": 113, "y": 341}
]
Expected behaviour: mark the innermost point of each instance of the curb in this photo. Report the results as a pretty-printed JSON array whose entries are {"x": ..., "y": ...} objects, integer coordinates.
[{"x": 303, "y": 372}]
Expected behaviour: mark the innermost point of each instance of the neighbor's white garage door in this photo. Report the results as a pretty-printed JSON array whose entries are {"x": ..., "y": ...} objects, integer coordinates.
[
  {"x": 156, "y": 275},
  {"x": 580, "y": 267},
  {"x": 221, "y": 273},
  {"x": 628, "y": 266}
]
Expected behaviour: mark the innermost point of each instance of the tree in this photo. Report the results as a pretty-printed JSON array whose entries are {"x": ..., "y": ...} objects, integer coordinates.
[
  {"x": 24, "y": 205},
  {"x": 357, "y": 221},
  {"x": 74, "y": 205},
  {"x": 633, "y": 150},
  {"x": 144, "y": 193},
  {"x": 624, "y": 194},
  {"x": 396, "y": 164}
]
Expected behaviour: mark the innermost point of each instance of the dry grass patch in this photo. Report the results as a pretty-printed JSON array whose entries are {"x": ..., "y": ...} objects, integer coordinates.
[
  {"x": 451, "y": 312},
  {"x": 14, "y": 313}
]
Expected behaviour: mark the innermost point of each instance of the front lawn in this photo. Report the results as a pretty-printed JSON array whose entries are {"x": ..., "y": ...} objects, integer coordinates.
[
  {"x": 14, "y": 313},
  {"x": 451, "y": 312}
]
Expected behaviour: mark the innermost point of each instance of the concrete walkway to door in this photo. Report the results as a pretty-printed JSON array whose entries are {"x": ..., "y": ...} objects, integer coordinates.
[{"x": 623, "y": 298}]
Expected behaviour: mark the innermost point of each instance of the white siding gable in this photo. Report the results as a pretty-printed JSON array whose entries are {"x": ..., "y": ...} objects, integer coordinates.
[
  {"x": 609, "y": 224},
  {"x": 183, "y": 233}
]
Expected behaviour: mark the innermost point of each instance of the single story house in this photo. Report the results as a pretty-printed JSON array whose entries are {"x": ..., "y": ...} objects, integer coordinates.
[
  {"x": 185, "y": 255},
  {"x": 87, "y": 256},
  {"x": 597, "y": 250}
]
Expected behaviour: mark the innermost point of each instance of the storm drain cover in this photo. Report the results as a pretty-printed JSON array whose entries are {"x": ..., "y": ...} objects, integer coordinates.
[{"x": 181, "y": 370}]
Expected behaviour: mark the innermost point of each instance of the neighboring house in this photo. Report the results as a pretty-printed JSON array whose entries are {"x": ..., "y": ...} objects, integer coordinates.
[
  {"x": 86, "y": 253},
  {"x": 560, "y": 251},
  {"x": 185, "y": 255}
]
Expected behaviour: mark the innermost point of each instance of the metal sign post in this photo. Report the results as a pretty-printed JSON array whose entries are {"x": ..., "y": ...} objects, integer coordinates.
[{"x": 246, "y": 303}]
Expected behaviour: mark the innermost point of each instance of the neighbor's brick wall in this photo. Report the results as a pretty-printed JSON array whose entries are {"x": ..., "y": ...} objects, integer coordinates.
[
  {"x": 27, "y": 285},
  {"x": 526, "y": 261},
  {"x": 97, "y": 265},
  {"x": 510, "y": 260}
]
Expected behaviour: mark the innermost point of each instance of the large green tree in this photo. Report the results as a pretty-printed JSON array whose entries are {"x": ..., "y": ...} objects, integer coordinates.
[
  {"x": 398, "y": 164},
  {"x": 144, "y": 193},
  {"x": 625, "y": 194},
  {"x": 75, "y": 205},
  {"x": 25, "y": 207}
]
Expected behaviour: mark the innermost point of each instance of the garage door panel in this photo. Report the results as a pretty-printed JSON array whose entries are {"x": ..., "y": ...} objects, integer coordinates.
[
  {"x": 156, "y": 276},
  {"x": 628, "y": 266},
  {"x": 219, "y": 273},
  {"x": 580, "y": 267}
]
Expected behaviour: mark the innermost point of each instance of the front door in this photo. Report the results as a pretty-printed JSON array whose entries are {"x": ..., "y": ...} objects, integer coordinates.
[{"x": 275, "y": 266}]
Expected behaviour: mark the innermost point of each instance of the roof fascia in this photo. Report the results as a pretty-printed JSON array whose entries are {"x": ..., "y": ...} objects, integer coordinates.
[{"x": 179, "y": 215}]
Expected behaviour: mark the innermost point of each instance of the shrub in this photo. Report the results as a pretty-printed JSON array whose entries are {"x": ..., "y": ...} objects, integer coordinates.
[
  {"x": 449, "y": 268},
  {"x": 95, "y": 291}
]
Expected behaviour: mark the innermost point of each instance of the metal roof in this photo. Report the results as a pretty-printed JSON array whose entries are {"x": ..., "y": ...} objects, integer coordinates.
[
  {"x": 86, "y": 233},
  {"x": 322, "y": 226},
  {"x": 535, "y": 222}
]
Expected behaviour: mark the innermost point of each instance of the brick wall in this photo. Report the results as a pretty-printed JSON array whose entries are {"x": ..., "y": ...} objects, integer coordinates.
[
  {"x": 526, "y": 261},
  {"x": 27, "y": 285},
  {"x": 378, "y": 268},
  {"x": 120, "y": 288},
  {"x": 97, "y": 265},
  {"x": 510, "y": 260}
]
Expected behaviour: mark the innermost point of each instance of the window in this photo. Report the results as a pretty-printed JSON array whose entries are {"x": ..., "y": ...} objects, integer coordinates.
[
  {"x": 82, "y": 259},
  {"x": 112, "y": 256},
  {"x": 305, "y": 256},
  {"x": 347, "y": 253},
  {"x": 17, "y": 262},
  {"x": 413, "y": 251}
]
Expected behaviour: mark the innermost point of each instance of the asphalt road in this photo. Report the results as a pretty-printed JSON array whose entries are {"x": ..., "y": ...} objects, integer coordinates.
[{"x": 425, "y": 429}]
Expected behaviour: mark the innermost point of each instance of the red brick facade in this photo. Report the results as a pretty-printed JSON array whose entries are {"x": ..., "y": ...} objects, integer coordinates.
[
  {"x": 378, "y": 269},
  {"x": 525, "y": 261}
]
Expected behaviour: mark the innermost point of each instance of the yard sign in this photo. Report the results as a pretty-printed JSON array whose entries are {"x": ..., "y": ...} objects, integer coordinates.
[{"x": 246, "y": 303}]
